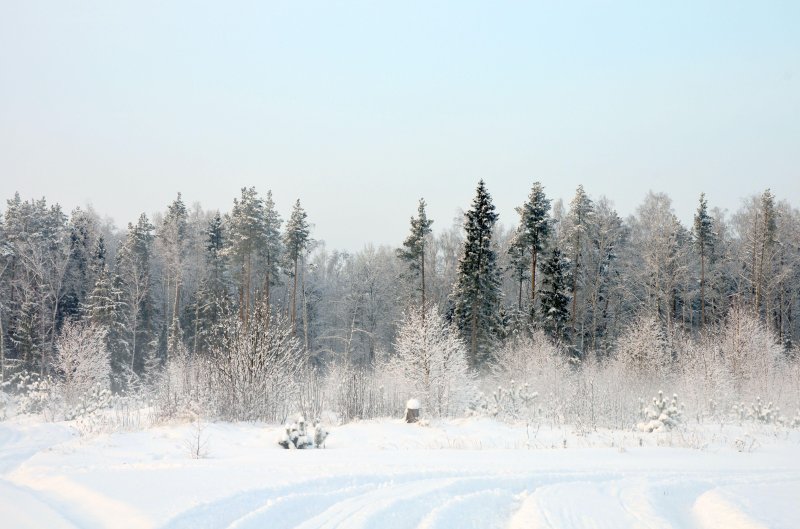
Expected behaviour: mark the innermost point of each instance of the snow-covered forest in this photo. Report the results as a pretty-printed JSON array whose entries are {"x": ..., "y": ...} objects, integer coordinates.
[{"x": 241, "y": 314}]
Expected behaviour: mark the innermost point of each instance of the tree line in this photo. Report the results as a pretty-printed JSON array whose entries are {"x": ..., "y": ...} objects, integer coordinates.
[{"x": 176, "y": 283}]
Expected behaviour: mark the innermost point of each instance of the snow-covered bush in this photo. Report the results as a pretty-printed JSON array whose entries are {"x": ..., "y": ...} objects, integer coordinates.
[
  {"x": 297, "y": 435},
  {"x": 96, "y": 399},
  {"x": 758, "y": 412},
  {"x": 661, "y": 415},
  {"x": 255, "y": 367},
  {"x": 34, "y": 394},
  {"x": 5, "y": 403},
  {"x": 83, "y": 363},
  {"x": 512, "y": 403},
  {"x": 748, "y": 350},
  {"x": 432, "y": 360},
  {"x": 644, "y": 348}
]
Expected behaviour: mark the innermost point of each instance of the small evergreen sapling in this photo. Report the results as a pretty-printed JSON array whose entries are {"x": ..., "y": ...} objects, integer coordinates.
[
  {"x": 297, "y": 435},
  {"x": 661, "y": 415},
  {"x": 513, "y": 403}
]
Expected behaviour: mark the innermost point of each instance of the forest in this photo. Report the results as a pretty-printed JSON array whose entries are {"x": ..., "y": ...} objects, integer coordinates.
[{"x": 565, "y": 311}]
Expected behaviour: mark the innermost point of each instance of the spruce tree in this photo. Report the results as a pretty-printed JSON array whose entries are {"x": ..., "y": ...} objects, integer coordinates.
[
  {"x": 766, "y": 240},
  {"x": 413, "y": 250},
  {"x": 476, "y": 295},
  {"x": 296, "y": 240},
  {"x": 172, "y": 235},
  {"x": 704, "y": 241},
  {"x": 133, "y": 276},
  {"x": 554, "y": 303},
  {"x": 104, "y": 310},
  {"x": 534, "y": 230},
  {"x": 579, "y": 219}
]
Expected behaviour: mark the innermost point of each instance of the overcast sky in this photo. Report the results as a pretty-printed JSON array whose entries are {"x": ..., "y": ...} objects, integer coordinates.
[{"x": 360, "y": 108}]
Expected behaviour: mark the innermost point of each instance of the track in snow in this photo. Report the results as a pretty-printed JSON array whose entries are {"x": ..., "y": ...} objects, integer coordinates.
[{"x": 445, "y": 500}]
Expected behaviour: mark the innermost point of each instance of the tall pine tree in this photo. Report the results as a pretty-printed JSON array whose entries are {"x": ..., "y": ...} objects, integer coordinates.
[
  {"x": 296, "y": 240},
  {"x": 534, "y": 229},
  {"x": 413, "y": 250}
]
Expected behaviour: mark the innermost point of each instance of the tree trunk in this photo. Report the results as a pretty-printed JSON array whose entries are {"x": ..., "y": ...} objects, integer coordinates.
[
  {"x": 533, "y": 279},
  {"x": 702, "y": 287},
  {"x": 294, "y": 298}
]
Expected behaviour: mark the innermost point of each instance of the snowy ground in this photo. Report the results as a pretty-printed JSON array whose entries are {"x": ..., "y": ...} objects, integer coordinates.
[{"x": 387, "y": 475}]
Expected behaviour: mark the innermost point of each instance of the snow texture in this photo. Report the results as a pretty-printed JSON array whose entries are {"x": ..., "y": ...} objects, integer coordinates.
[{"x": 387, "y": 474}]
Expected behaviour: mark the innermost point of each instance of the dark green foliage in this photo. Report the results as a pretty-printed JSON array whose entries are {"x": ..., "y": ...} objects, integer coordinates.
[
  {"x": 554, "y": 302},
  {"x": 476, "y": 295},
  {"x": 413, "y": 250}
]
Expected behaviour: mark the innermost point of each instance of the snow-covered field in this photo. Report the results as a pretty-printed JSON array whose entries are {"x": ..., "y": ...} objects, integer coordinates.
[{"x": 386, "y": 475}]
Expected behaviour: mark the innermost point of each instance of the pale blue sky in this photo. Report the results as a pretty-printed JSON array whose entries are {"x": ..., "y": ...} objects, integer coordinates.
[{"x": 360, "y": 108}]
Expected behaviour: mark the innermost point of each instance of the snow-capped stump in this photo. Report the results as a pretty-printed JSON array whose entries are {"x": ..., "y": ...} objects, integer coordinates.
[{"x": 412, "y": 411}]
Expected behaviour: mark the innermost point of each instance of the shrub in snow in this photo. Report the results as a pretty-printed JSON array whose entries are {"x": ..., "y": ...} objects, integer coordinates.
[
  {"x": 94, "y": 400},
  {"x": 298, "y": 436},
  {"x": 432, "y": 361},
  {"x": 758, "y": 412},
  {"x": 512, "y": 403},
  {"x": 5, "y": 402},
  {"x": 255, "y": 366},
  {"x": 795, "y": 423},
  {"x": 34, "y": 394},
  {"x": 644, "y": 348},
  {"x": 748, "y": 349},
  {"x": 661, "y": 415},
  {"x": 83, "y": 362}
]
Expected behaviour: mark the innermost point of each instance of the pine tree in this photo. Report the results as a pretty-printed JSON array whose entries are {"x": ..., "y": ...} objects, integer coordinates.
[
  {"x": 246, "y": 240},
  {"x": 476, "y": 295},
  {"x": 413, "y": 250},
  {"x": 273, "y": 246},
  {"x": 518, "y": 263},
  {"x": 554, "y": 302},
  {"x": 704, "y": 241},
  {"x": 534, "y": 230},
  {"x": 296, "y": 240}
]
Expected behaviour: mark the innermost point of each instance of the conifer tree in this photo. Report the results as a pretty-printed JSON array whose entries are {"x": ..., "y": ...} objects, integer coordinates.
[
  {"x": 273, "y": 246},
  {"x": 172, "y": 235},
  {"x": 476, "y": 295},
  {"x": 553, "y": 301},
  {"x": 133, "y": 273},
  {"x": 212, "y": 302},
  {"x": 579, "y": 219},
  {"x": 518, "y": 263},
  {"x": 104, "y": 310},
  {"x": 534, "y": 229},
  {"x": 246, "y": 240},
  {"x": 296, "y": 241},
  {"x": 766, "y": 241},
  {"x": 704, "y": 241},
  {"x": 413, "y": 250}
]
